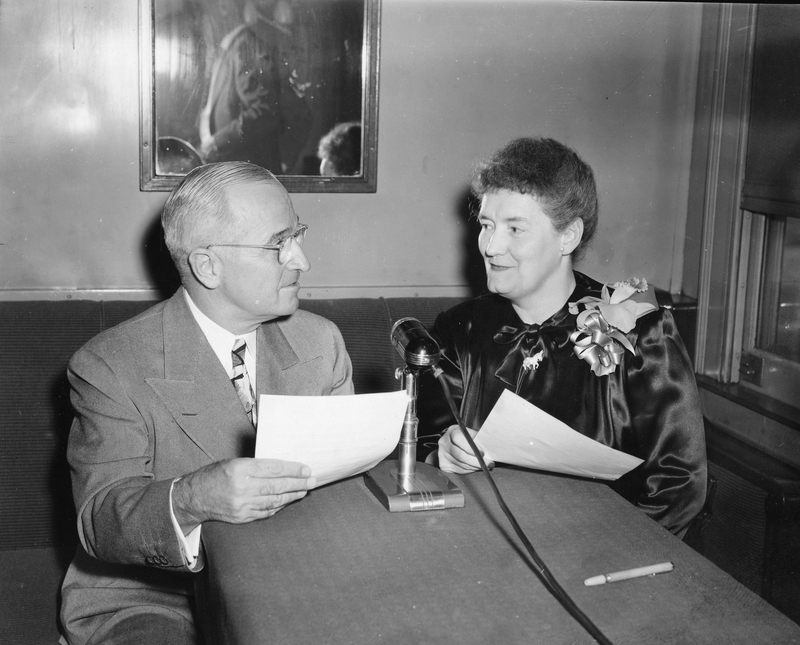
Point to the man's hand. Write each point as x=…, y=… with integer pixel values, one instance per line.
x=455, y=455
x=238, y=491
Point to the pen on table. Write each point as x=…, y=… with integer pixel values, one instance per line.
x=639, y=572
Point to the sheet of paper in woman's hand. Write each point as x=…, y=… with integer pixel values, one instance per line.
x=516, y=432
x=336, y=436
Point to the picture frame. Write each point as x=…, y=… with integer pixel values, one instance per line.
x=260, y=81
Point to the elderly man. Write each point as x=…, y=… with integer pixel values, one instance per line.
x=166, y=407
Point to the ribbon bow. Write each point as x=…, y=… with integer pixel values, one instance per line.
x=523, y=337
x=527, y=341
x=605, y=320
x=595, y=343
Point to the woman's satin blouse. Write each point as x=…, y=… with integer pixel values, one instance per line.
x=648, y=407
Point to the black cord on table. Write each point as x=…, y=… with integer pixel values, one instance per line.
x=541, y=569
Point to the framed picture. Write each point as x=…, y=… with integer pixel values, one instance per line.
x=290, y=85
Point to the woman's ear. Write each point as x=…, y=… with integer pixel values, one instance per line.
x=206, y=267
x=572, y=236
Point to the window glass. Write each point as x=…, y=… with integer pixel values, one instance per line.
x=779, y=319
x=787, y=337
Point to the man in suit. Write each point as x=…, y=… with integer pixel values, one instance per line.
x=256, y=108
x=161, y=435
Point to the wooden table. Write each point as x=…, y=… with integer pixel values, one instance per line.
x=337, y=567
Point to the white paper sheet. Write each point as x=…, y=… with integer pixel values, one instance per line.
x=516, y=432
x=336, y=436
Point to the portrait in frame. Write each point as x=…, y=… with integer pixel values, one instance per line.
x=261, y=81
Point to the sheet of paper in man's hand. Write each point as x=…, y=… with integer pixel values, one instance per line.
x=336, y=436
x=516, y=432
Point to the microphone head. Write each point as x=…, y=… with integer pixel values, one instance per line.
x=414, y=344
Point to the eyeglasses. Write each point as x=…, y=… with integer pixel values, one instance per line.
x=282, y=247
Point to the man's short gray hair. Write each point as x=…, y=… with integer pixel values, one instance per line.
x=197, y=211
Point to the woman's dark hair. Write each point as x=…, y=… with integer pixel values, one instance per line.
x=555, y=175
x=342, y=147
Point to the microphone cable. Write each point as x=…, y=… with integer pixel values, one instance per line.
x=541, y=569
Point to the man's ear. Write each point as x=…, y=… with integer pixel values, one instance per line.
x=206, y=267
x=571, y=236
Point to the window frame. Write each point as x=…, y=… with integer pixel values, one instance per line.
x=730, y=259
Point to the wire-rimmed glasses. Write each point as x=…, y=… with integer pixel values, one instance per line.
x=282, y=247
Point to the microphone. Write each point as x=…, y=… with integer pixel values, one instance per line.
x=414, y=344
x=406, y=484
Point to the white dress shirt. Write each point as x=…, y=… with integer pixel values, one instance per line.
x=222, y=342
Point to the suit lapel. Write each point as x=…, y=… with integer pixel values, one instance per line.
x=275, y=356
x=196, y=389
x=280, y=369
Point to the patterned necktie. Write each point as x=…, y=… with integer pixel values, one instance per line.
x=241, y=380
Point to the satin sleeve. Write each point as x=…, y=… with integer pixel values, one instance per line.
x=663, y=405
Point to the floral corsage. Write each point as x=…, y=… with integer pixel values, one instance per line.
x=603, y=322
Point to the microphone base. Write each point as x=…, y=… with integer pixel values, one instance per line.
x=427, y=489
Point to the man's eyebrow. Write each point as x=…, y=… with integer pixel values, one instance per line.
x=280, y=235
x=284, y=233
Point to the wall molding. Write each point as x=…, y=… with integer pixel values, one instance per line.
x=306, y=293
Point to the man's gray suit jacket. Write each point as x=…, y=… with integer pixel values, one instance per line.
x=152, y=403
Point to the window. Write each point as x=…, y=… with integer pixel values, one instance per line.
x=746, y=194
x=770, y=359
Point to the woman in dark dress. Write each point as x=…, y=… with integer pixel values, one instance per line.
x=600, y=359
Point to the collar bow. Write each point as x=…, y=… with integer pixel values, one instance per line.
x=525, y=341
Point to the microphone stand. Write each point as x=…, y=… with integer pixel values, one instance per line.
x=406, y=484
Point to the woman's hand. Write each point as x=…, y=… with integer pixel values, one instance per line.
x=455, y=455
